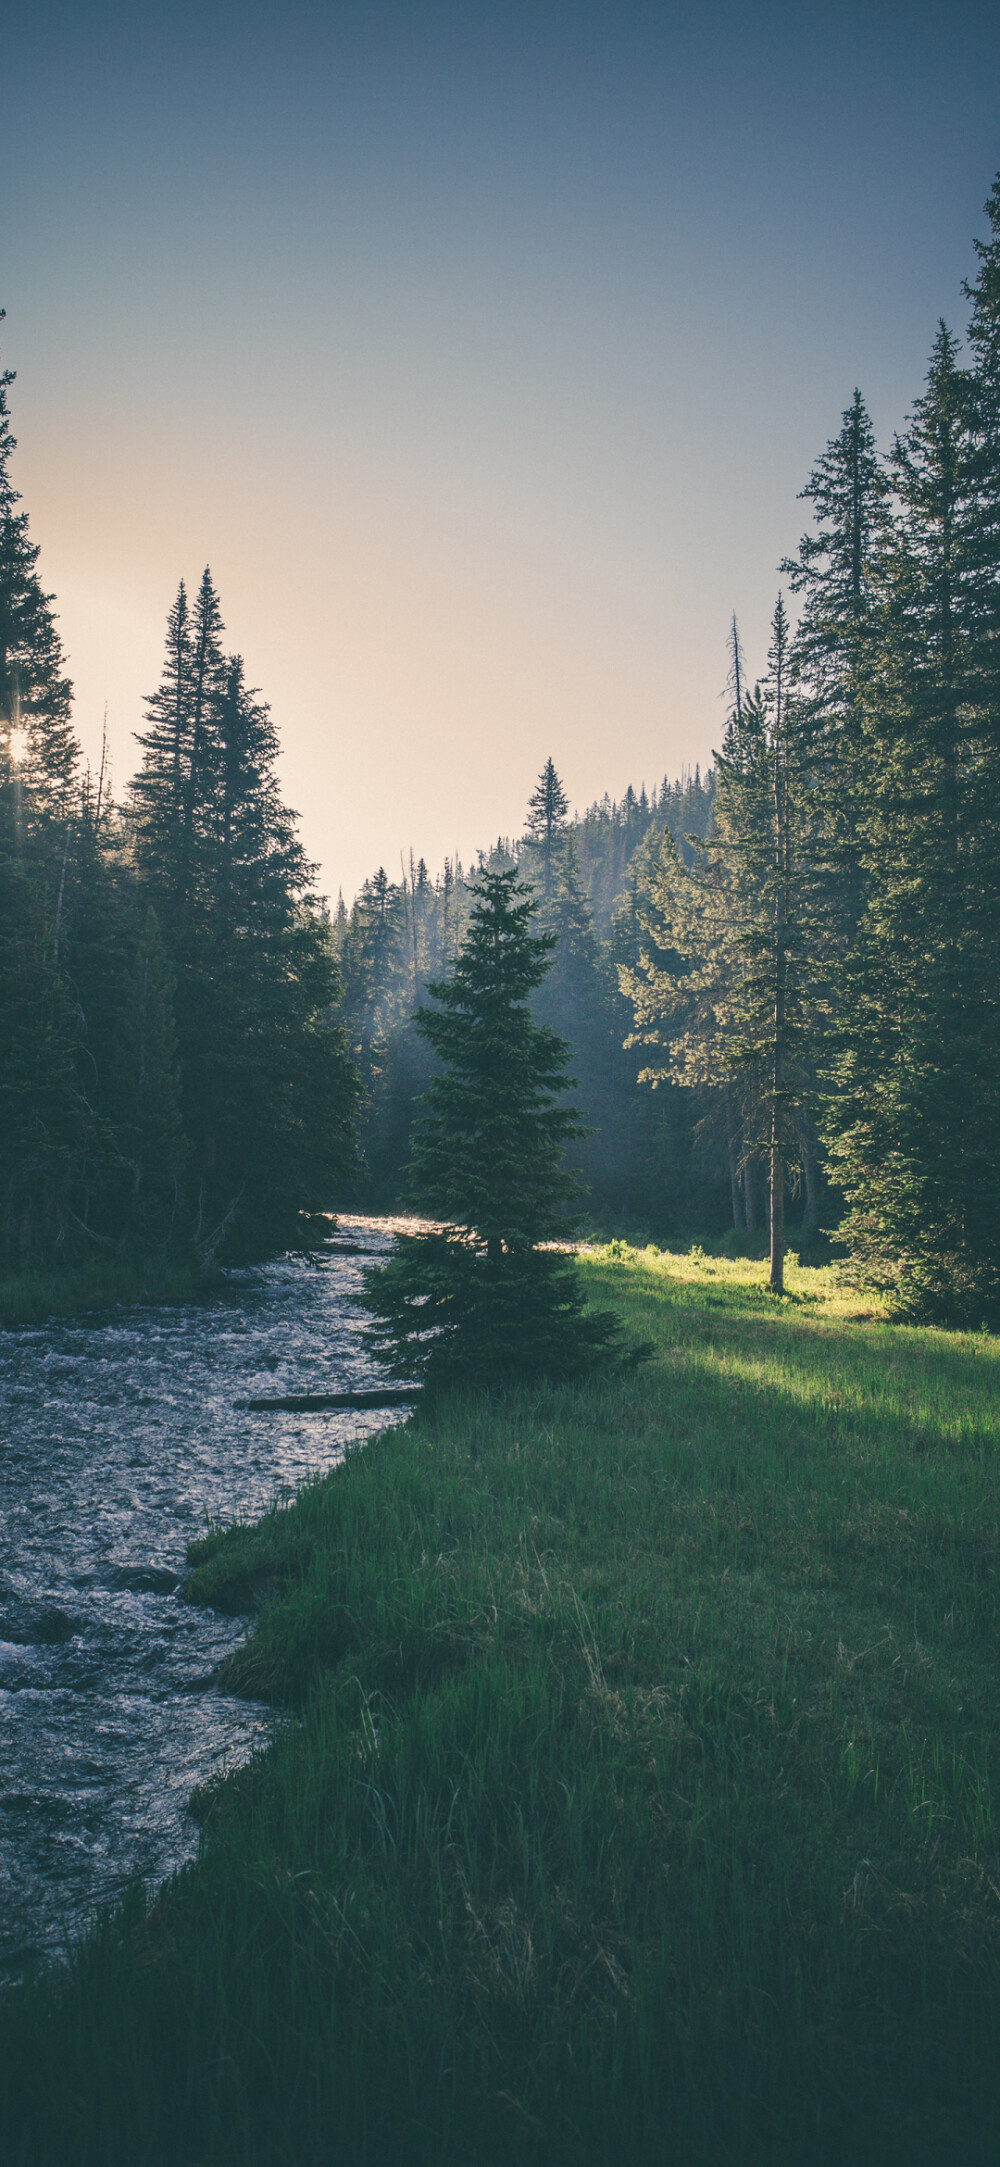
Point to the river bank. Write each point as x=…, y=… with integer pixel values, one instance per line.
x=640, y=1804
x=102, y=1283
x=125, y=1430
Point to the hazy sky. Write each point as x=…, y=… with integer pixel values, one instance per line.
x=481, y=351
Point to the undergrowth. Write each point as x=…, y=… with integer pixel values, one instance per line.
x=28, y=1297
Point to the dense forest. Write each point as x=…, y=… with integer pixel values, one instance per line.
x=644, y=1159
x=174, y=1074
x=799, y=956
x=779, y=982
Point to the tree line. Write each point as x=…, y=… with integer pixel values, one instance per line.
x=827, y=970
x=778, y=983
x=801, y=953
x=174, y=1072
x=644, y=1158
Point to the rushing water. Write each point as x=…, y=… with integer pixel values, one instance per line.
x=120, y=1436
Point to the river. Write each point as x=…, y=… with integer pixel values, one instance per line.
x=121, y=1436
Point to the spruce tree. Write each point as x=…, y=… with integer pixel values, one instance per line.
x=838, y=574
x=35, y=695
x=548, y=806
x=915, y=1108
x=731, y=966
x=267, y=1087
x=45, y=1120
x=158, y=790
x=481, y=1301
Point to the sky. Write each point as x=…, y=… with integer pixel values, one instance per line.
x=481, y=350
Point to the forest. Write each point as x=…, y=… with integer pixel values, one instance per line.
x=778, y=980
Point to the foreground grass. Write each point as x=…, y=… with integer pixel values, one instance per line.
x=28, y=1297
x=640, y=1807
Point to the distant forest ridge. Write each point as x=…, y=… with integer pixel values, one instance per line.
x=640, y=1160
x=607, y=836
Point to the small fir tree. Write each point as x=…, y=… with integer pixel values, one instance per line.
x=480, y=1301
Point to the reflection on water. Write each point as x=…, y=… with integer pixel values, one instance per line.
x=118, y=1437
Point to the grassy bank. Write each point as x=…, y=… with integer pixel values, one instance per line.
x=28, y=1297
x=640, y=1807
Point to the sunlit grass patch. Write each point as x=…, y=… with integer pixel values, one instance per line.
x=641, y=1802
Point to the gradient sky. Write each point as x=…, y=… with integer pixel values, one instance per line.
x=480, y=350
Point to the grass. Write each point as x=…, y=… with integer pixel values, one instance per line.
x=27, y=1298
x=639, y=1802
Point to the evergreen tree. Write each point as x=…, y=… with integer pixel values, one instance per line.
x=267, y=1087
x=548, y=806
x=481, y=1301
x=159, y=789
x=914, y=1112
x=730, y=975
x=35, y=696
x=45, y=1121
x=838, y=573
x=142, y=1100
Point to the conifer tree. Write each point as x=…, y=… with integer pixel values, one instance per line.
x=839, y=575
x=267, y=1086
x=548, y=806
x=158, y=790
x=914, y=1112
x=729, y=980
x=35, y=695
x=482, y=1302
x=44, y=1119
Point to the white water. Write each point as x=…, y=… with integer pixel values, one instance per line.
x=119, y=1437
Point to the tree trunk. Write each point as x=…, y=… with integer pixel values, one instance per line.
x=734, y=1169
x=776, y=1281
x=810, y=1177
x=777, y=1278
x=751, y=1193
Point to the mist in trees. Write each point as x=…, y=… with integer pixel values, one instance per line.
x=636, y=1155
x=777, y=982
x=478, y=1299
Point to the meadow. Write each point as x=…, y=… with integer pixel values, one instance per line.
x=631, y=1793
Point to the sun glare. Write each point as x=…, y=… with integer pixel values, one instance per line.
x=17, y=744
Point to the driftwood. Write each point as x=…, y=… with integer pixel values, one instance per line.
x=315, y=1403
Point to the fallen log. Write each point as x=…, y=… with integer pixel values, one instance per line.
x=316, y=1403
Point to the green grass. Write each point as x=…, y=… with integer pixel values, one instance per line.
x=639, y=1802
x=28, y=1297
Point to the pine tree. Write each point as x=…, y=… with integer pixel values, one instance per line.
x=159, y=789
x=481, y=1301
x=730, y=973
x=915, y=1111
x=267, y=1087
x=548, y=806
x=839, y=575
x=35, y=696
x=45, y=1122
x=143, y=1096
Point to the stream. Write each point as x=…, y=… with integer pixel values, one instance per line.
x=119, y=1438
